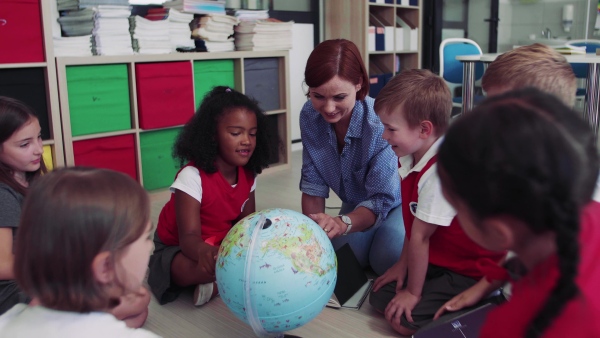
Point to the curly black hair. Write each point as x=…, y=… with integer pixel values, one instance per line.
x=527, y=155
x=197, y=141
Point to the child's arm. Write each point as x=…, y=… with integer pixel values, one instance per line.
x=7, y=258
x=418, y=259
x=469, y=297
x=187, y=213
x=396, y=273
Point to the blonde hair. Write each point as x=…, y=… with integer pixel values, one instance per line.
x=422, y=95
x=536, y=66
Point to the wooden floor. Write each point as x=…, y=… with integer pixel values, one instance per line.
x=181, y=319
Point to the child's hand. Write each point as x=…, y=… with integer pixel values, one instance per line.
x=469, y=297
x=207, y=259
x=403, y=303
x=395, y=273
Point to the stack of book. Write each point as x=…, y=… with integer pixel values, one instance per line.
x=77, y=22
x=216, y=30
x=73, y=46
x=111, y=30
x=251, y=15
x=67, y=5
x=269, y=34
x=180, y=34
x=197, y=6
x=149, y=37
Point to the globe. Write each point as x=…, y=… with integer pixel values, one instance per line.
x=276, y=270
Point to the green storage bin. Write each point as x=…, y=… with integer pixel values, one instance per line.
x=211, y=73
x=98, y=98
x=158, y=166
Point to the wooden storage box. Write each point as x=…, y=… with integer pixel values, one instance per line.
x=116, y=153
x=158, y=166
x=98, y=98
x=211, y=73
x=21, y=35
x=165, y=94
x=47, y=157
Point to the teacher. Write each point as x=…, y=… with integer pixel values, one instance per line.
x=343, y=151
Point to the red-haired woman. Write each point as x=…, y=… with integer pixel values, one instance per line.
x=343, y=151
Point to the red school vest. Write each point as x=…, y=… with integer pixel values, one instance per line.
x=221, y=205
x=449, y=246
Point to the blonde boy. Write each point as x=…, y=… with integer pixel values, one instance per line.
x=537, y=66
x=438, y=260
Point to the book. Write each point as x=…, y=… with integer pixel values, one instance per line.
x=353, y=285
x=570, y=50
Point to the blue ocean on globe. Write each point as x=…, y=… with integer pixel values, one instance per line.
x=276, y=269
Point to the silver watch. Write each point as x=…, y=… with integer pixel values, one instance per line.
x=348, y=222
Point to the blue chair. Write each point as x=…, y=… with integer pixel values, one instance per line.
x=452, y=70
x=581, y=69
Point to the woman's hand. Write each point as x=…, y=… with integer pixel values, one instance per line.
x=333, y=226
x=207, y=259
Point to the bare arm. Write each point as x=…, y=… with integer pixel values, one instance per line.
x=418, y=255
x=312, y=204
x=187, y=213
x=7, y=258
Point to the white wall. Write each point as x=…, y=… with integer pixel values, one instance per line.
x=302, y=46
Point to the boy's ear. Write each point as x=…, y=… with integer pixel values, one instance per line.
x=103, y=268
x=426, y=129
x=500, y=230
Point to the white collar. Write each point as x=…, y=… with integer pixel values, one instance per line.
x=406, y=162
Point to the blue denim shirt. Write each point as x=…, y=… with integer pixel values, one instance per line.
x=364, y=174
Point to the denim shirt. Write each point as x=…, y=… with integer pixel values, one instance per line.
x=364, y=174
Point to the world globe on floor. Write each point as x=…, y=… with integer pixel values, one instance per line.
x=276, y=270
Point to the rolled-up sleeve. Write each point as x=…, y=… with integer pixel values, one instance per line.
x=311, y=183
x=382, y=184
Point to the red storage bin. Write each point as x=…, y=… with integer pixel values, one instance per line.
x=21, y=35
x=165, y=94
x=116, y=153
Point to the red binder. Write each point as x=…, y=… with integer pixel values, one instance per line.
x=165, y=94
x=21, y=35
x=116, y=153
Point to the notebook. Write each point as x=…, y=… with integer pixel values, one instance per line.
x=353, y=285
x=466, y=325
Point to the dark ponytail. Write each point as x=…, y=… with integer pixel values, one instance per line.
x=527, y=155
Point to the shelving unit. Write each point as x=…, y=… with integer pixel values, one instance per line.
x=123, y=112
x=352, y=22
x=27, y=69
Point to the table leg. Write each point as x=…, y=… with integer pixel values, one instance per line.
x=468, y=85
x=590, y=111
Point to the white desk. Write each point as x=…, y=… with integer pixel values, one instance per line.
x=592, y=100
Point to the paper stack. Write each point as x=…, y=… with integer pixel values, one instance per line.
x=269, y=34
x=66, y=5
x=73, y=46
x=77, y=22
x=111, y=30
x=217, y=32
x=251, y=15
x=180, y=33
x=197, y=6
x=149, y=37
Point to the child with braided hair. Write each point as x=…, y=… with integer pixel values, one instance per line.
x=520, y=171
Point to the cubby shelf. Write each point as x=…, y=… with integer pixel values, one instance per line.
x=25, y=72
x=352, y=23
x=244, y=66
